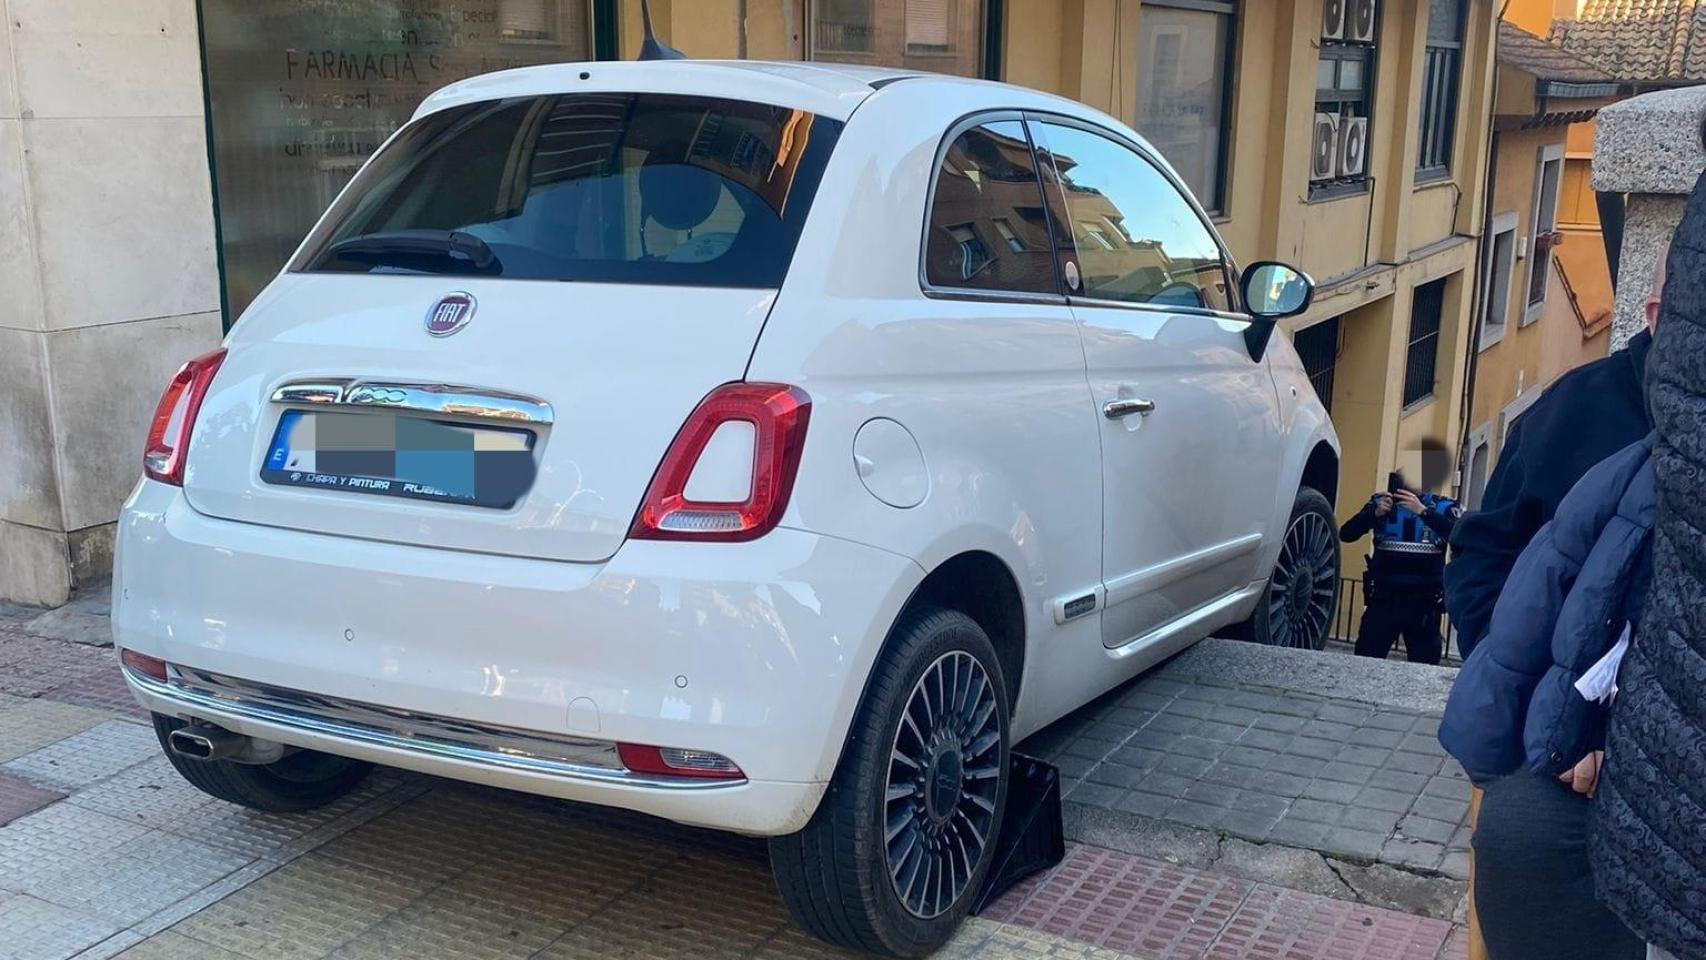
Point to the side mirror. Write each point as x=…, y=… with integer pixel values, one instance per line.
x=1272, y=291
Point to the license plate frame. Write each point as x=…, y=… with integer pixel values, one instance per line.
x=388, y=454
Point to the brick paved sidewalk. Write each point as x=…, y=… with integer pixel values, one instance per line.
x=105, y=851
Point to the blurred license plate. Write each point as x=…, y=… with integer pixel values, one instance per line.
x=394, y=456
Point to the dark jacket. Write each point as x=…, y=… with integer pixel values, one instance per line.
x=1409, y=548
x=1649, y=841
x=1566, y=603
x=1589, y=414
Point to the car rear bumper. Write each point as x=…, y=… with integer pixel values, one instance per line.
x=513, y=672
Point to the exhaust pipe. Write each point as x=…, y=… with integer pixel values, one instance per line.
x=204, y=741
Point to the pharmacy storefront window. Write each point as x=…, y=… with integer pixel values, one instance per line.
x=943, y=36
x=1184, y=84
x=301, y=92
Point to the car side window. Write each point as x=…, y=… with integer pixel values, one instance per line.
x=1135, y=238
x=988, y=229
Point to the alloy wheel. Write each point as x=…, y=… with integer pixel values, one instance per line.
x=1304, y=585
x=943, y=784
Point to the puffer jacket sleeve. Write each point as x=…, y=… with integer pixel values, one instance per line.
x=1487, y=712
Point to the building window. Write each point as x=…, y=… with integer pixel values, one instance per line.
x=1344, y=97
x=1185, y=89
x=1439, y=89
x=300, y=94
x=1420, y=362
x=1500, y=269
x=1479, y=464
x=1547, y=178
x=1318, y=347
x=943, y=36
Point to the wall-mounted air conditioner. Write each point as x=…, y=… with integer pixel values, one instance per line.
x=1353, y=146
x=1359, y=16
x=1332, y=19
x=1324, y=153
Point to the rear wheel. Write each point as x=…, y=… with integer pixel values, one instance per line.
x=900, y=844
x=1302, y=595
x=303, y=780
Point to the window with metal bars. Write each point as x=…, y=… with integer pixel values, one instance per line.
x=1439, y=89
x=1420, y=362
x=1318, y=347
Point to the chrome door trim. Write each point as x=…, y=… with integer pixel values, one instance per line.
x=1120, y=409
x=1132, y=585
x=435, y=398
x=1172, y=629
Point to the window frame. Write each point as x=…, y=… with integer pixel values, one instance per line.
x=1485, y=337
x=1235, y=24
x=1444, y=136
x=1235, y=306
x=1329, y=49
x=1532, y=308
x=990, y=33
x=1437, y=335
x=1479, y=438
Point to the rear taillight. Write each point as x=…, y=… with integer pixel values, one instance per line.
x=174, y=418
x=777, y=414
x=673, y=762
x=140, y=663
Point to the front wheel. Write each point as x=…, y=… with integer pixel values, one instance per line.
x=1302, y=595
x=899, y=846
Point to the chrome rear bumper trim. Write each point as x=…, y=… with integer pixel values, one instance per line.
x=451, y=739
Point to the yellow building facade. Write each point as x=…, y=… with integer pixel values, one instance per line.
x=1235, y=94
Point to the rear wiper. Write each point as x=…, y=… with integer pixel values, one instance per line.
x=430, y=251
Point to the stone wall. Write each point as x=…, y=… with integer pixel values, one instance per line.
x=1648, y=147
x=108, y=278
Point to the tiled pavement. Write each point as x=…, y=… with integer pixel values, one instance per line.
x=1349, y=779
x=105, y=852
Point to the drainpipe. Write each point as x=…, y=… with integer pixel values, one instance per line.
x=1466, y=403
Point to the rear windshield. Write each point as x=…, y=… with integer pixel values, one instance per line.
x=622, y=188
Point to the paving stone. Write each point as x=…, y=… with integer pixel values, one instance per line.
x=1131, y=718
x=31, y=666
x=1278, y=924
x=1456, y=865
x=1195, y=814
x=1413, y=853
x=1426, y=726
x=1174, y=723
x=1113, y=774
x=1249, y=756
x=1279, y=783
x=1422, y=743
x=58, y=835
x=84, y=758
x=1414, y=763
x=175, y=946
x=1260, y=701
x=1353, y=714
x=1249, y=824
x=999, y=943
x=1392, y=720
x=1328, y=730
x=1414, y=827
x=1200, y=748
x=1266, y=739
x=1362, y=844
x=1347, y=772
x=1201, y=709
x=1231, y=775
x=1087, y=747
x=1099, y=794
x=1252, y=802
x=1279, y=723
x=1150, y=738
x=1447, y=788
x=1137, y=757
x=1181, y=765
x=103, y=690
x=20, y=797
x=1313, y=747
x=1411, y=783
x=1439, y=808
x=1316, y=811
x=1306, y=767
x=133, y=880
x=1391, y=801
x=1375, y=821
x=1299, y=833
x=1218, y=731
x=1149, y=805
x=1165, y=784
x=1075, y=767
x=1367, y=756
x=1233, y=715
x=1376, y=737
x=29, y=725
x=1331, y=791
x=1213, y=794
x=37, y=930
x=1147, y=700
x=1129, y=903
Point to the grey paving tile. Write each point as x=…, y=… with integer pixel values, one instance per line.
x=1149, y=805
x=1398, y=780
x=1426, y=726
x=1347, y=772
x=1279, y=723
x=1173, y=723
x=1391, y=801
x=1313, y=747
x=1090, y=748
x=1165, y=784
x=1413, y=827
x=175, y=946
x=20, y=797
x=1194, y=814
x=37, y=930
x=1361, y=844
x=131, y=881
x=1331, y=791
x=1328, y=730
x=150, y=793
x=1440, y=808
x=1413, y=853
x=1307, y=767
x=1234, y=715
x=1140, y=699
x=1279, y=783
x=1212, y=794
x=1374, y=821
x=1231, y=775
x=1249, y=756
x=1200, y=709
x=1131, y=718
x=1422, y=743
x=1376, y=737
x=55, y=836
x=1109, y=773
x=1353, y=714
x=1075, y=767
x=1138, y=757
x=1095, y=794
x=1249, y=824
x=1294, y=832
x=1218, y=731
x=1455, y=865
x=29, y=725
x=1315, y=811
x=1393, y=720
x=87, y=757
x=1267, y=805
x=1181, y=765
x=1200, y=748
x=1266, y=739
x=1367, y=756
x=1448, y=788
x=1414, y=763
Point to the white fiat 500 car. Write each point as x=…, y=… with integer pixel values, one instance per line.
x=766, y=447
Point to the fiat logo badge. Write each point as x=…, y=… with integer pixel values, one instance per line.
x=450, y=314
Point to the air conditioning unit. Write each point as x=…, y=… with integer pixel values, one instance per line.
x=1359, y=20
x=1324, y=157
x=1332, y=19
x=1353, y=146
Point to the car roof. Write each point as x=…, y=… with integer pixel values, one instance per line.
x=831, y=90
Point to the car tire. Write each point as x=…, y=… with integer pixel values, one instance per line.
x=1301, y=599
x=853, y=876
x=303, y=780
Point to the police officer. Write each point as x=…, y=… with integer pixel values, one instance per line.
x=1403, y=589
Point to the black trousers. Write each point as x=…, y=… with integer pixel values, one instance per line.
x=1390, y=615
x=1533, y=889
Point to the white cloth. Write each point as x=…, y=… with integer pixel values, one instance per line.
x=1600, y=680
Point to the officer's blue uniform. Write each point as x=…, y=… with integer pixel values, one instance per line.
x=1403, y=588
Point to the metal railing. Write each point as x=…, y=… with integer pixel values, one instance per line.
x=1349, y=616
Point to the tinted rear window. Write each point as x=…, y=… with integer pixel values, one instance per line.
x=624, y=188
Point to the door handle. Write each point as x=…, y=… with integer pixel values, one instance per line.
x=1120, y=409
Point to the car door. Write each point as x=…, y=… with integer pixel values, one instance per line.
x=1189, y=422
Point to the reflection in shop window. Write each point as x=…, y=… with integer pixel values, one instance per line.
x=301, y=92
x=944, y=36
x=1183, y=90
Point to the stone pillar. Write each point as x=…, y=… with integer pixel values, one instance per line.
x=1649, y=148
x=108, y=278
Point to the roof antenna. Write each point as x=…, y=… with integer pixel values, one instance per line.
x=651, y=49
